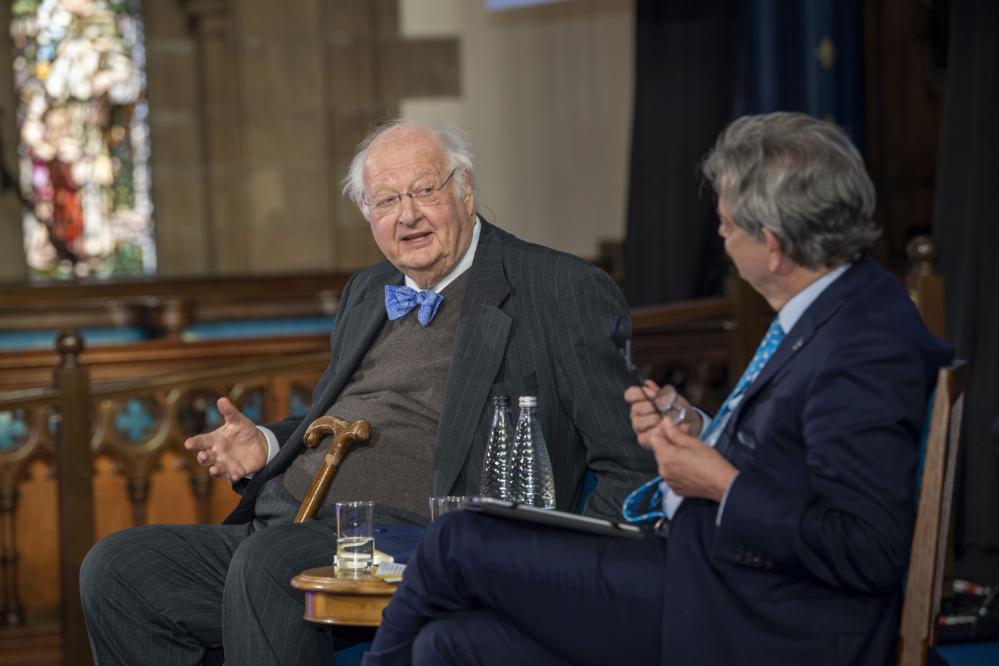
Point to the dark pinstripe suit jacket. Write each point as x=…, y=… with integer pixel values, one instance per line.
x=534, y=322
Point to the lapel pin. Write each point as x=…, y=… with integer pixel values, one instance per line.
x=797, y=344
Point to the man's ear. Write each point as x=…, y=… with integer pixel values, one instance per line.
x=469, y=199
x=776, y=258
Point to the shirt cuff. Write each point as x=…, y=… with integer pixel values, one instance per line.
x=721, y=505
x=705, y=420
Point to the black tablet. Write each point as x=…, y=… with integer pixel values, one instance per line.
x=562, y=519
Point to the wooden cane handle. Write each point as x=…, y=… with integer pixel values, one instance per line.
x=324, y=425
x=344, y=435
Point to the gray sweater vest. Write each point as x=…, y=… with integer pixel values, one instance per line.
x=399, y=389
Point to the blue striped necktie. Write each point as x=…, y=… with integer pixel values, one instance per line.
x=769, y=344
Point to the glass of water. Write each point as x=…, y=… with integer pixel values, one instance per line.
x=355, y=540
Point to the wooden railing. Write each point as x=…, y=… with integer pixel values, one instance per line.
x=164, y=308
x=925, y=283
x=75, y=422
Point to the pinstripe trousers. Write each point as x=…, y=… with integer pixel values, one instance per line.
x=175, y=594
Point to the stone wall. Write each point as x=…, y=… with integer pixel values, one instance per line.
x=256, y=107
x=12, y=264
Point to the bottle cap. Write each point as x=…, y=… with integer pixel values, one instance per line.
x=501, y=399
x=528, y=401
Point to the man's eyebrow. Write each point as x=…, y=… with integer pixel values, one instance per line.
x=425, y=174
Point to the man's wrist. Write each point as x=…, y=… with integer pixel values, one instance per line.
x=270, y=444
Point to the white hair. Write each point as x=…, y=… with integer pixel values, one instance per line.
x=453, y=141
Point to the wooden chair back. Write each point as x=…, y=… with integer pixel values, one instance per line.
x=928, y=558
x=925, y=284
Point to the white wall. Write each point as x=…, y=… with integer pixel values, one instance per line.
x=547, y=102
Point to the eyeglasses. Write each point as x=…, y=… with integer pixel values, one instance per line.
x=425, y=195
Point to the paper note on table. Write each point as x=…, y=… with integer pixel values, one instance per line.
x=390, y=572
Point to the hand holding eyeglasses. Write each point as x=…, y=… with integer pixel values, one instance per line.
x=650, y=404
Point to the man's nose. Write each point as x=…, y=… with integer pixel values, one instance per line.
x=409, y=212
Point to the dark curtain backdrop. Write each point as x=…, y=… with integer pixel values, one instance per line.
x=966, y=226
x=686, y=70
x=805, y=55
x=696, y=64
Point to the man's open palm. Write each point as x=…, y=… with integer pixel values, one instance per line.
x=233, y=450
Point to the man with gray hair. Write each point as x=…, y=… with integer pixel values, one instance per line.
x=783, y=524
x=493, y=315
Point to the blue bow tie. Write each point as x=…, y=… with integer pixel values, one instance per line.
x=400, y=299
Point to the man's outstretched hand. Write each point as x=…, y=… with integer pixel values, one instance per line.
x=233, y=450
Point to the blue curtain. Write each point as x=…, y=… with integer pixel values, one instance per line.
x=804, y=55
x=697, y=65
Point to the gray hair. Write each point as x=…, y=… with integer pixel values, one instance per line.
x=799, y=177
x=453, y=141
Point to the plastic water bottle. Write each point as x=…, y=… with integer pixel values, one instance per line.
x=495, y=480
x=532, y=480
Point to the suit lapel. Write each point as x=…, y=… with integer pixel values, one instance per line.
x=479, y=349
x=828, y=302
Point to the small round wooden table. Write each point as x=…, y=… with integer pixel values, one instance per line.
x=356, y=602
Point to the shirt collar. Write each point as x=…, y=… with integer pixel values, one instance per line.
x=463, y=265
x=794, y=308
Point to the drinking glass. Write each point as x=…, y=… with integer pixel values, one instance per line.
x=355, y=542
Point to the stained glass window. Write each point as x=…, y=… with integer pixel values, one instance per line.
x=79, y=68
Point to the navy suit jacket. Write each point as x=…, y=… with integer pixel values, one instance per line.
x=807, y=563
x=533, y=322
